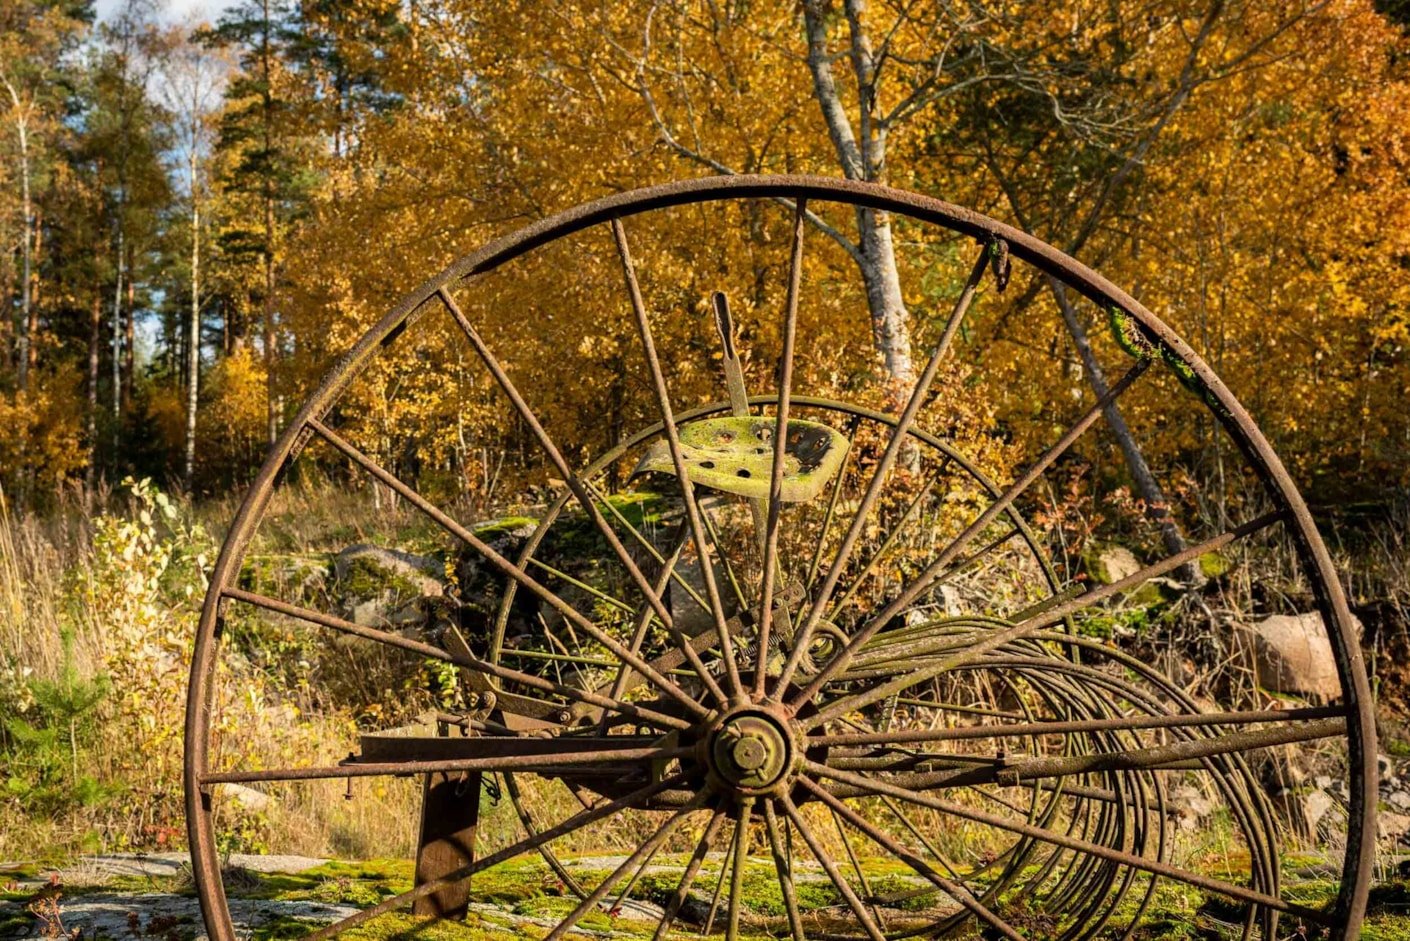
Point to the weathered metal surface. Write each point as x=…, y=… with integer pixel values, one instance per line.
x=736, y=455
x=806, y=689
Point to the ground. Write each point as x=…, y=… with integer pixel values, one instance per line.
x=282, y=897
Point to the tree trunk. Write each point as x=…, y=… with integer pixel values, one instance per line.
x=117, y=330
x=1147, y=487
x=27, y=240
x=866, y=160
x=129, y=335
x=271, y=403
x=193, y=338
x=95, y=347
x=890, y=324
x=268, y=101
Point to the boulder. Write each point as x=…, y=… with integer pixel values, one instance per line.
x=246, y=797
x=1293, y=655
x=380, y=587
x=390, y=568
x=1394, y=828
x=1315, y=805
x=1114, y=563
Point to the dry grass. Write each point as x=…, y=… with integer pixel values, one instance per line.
x=56, y=583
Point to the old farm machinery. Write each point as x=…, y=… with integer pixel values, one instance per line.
x=820, y=677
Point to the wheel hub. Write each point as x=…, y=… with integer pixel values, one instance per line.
x=751, y=751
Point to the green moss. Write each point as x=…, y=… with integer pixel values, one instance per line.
x=355, y=883
x=505, y=525
x=1398, y=747
x=1214, y=565
x=364, y=579
x=15, y=924
x=1128, y=333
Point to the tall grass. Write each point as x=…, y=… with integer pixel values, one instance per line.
x=103, y=607
x=100, y=597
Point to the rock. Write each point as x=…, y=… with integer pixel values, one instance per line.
x=1293, y=655
x=1314, y=807
x=389, y=566
x=1393, y=827
x=112, y=915
x=1191, y=805
x=247, y=797
x=1400, y=800
x=1114, y=563
x=386, y=587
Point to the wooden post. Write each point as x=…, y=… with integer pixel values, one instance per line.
x=450, y=811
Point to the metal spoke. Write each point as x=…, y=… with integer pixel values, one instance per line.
x=867, y=894
x=641, y=713
x=830, y=868
x=741, y=859
x=692, y=508
x=692, y=870
x=720, y=883
x=891, y=538
x=981, y=643
x=893, y=449
x=783, y=868
x=645, y=543
x=924, y=581
x=958, y=892
x=545, y=764
x=569, y=477
x=642, y=852
x=1075, y=844
x=723, y=558
x=619, y=682
x=831, y=510
x=921, y=838
x=508, y=568
x=785, y=389
x=1011, y=771
x=1122, y=724
x=573, y=823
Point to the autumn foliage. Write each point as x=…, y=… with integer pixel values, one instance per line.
x=1241, y=168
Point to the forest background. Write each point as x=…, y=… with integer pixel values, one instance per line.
x=197, y=219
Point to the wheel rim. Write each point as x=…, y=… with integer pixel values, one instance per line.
x=779, y=812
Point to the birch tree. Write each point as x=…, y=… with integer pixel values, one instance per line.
x=191, y=88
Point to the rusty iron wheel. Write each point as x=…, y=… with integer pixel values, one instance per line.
x=776, y=663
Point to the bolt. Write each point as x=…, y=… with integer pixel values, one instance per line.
x=750, y=753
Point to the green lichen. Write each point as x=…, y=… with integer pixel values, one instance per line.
x=1128, y=334
x=1132, y=337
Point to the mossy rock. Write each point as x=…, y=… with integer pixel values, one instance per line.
x=1110, y=563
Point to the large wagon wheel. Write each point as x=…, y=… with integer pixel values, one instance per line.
x=780, y=661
